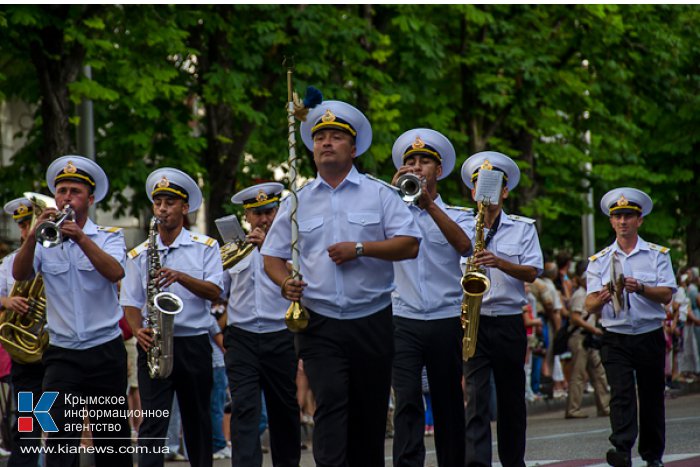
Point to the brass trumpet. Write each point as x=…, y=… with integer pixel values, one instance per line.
x=48, y=233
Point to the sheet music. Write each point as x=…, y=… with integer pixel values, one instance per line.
x=230, y=229
x=488, y=187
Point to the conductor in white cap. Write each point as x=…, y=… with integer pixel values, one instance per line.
x=351, y=229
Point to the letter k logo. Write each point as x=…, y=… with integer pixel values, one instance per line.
x=25, y=403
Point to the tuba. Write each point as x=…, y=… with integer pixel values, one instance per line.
x=475, y=284
x=24, y=336
x=161, y=310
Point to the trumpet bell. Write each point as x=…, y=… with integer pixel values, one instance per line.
x=409, y=186
x=475, y=284
x=48, y=234
x=296, y=318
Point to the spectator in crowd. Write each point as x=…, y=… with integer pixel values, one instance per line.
x=584, y=344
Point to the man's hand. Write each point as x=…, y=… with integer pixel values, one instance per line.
x=167, y=277
x=293, y=289
x=404, y=169
x=603, y=297
x=632, y=285
x=17, y=304
x=70, y=229
x=144, y=336
x=487, y=259
x=256, y=237
x=342, y=252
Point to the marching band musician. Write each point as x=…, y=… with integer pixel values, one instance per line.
x=351, y=229
x=86, y=356
x=24, y=376
x=426, y=306
x=191, y=269
x=511, y=256
x=633, y=348
x=259, y=348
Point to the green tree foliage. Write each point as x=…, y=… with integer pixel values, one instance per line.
x=203, y=88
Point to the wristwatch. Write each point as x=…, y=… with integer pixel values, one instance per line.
x=359, y=249
x=640, y=290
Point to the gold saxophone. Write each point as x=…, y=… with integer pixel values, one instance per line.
x=161, y=310
x=24, y=336
x=475, y=284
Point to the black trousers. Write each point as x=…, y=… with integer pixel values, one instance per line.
x=266, y=362
x=25, y=378
x=192, y=379
x=348, y=363
x=500, y=348
x=628, y=359
x=437, y=346
x=96, y=372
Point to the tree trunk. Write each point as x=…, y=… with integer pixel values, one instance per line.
x=57, y=65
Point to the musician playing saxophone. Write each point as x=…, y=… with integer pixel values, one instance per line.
x=24, y=376
x=191, y=269
x=511, y=256
x=86, y=355
x=259, y=347
x=426, y=307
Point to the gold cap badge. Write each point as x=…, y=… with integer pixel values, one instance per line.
x=622, y=201
x=328, y=116
x=164, y=182
x=261, y=196
x=69, y=168
x=486, y=165
x=22, y=209
x=418, y=143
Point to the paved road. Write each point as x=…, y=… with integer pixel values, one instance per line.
x=554, y=441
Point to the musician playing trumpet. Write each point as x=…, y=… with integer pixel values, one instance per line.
x=86, y=355
x=259, y=348
x=191, y=270
x=511, y=256
x=426, y=306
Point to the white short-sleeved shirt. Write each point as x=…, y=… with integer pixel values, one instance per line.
x=82, y=307
x=515, y=241
x=357, y=210
x=255, y=303
x=191, y=253
x=428, y=286
x=650, y=265
x=7, y=281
